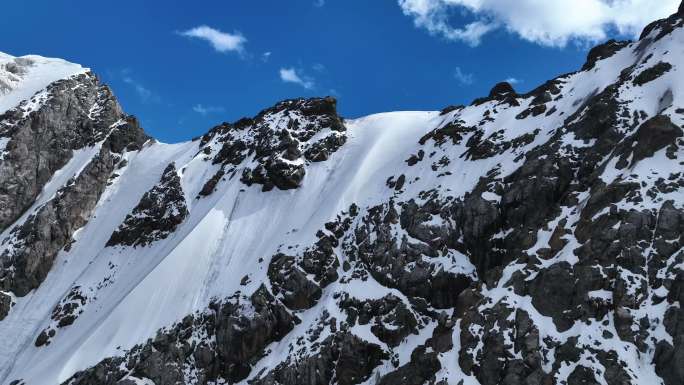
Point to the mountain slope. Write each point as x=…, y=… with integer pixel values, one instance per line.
x=523, y=239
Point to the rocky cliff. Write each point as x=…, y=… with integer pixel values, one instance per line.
x=524, y=239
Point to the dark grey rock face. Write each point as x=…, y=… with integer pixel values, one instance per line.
x=652, y=73
x=5, y=305
x=342, y=359
x=670, y=356
x=502, y=92
x=291, y=283
x=391, y=319
x=298, y=280
x=157, y=214
x=219, y=344
x=42, y=141
x=79, y=112
x=38, y=240
x=653, y=135
x=420, y=370
x=279, y=139
x=63, y=315
x=661, y=28
x=398, y=262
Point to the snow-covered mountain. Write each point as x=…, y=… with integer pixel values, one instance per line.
x=524, y=239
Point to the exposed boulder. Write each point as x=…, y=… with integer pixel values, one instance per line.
x=158, y=214
x=5, y=305
x=291, y=283
x=652, y=73
x=501, y=89
x=501, y=92
x=420, y=370
x=342, y=358
x=653, y=135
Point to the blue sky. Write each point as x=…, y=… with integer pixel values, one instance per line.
x=373, y=55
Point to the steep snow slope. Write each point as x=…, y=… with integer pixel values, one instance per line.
x=523, y=239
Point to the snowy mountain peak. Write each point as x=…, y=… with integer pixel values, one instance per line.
x=21, y=77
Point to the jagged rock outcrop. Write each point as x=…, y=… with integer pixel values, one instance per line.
x=34, y=244
x=5, y=305
x=280, y=140
x=75, y=113
x=391, y=318
x=63, y=315
x=343, y=359
x=157, y=214
x=214, y=346
x=69, y=115
x=298, y=280
x=420, y=370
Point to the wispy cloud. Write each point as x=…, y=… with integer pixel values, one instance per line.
x=318, y=67
x=206, y=110
x=545, y=22
x=462, y=77
x=145, y=94
x=290, y=75
x=221, y=41
x=512, y=80
x=319, y=3
x=433, y=15
x=265, y=56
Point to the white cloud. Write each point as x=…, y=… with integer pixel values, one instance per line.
x=463, y=77
x=265, y=56
x=318, y=67
x=142, y=91
x=290, y=75
x=546, y=22
x=513, y=80
x=145, y=94
x=221, y=41
x=206, y=110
